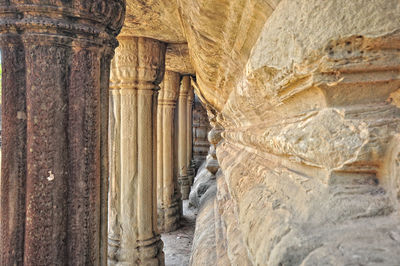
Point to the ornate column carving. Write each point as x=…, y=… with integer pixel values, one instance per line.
x=190, y=163
x=168, y=191
x=56, y=58
x=182, y=137
x=134, y=238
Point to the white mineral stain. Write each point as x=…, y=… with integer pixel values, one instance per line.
x=51, y=176
x=21, y=115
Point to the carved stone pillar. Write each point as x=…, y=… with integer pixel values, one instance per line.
x=167, y=188
x=114, y=199
x=182, y=137
x=134, y=238
x=190, y=163
x=56, y=58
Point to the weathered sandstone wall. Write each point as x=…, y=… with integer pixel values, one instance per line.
x=310, y=149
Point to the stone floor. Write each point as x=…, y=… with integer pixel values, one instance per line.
x=178, y=244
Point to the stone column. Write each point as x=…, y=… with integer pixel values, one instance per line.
x=56, y=60
x=155, y=172
x=134, y=238
x=190, y=163
x=160, y=161
x=114, y=199
x=168, y=191
x=182, y=137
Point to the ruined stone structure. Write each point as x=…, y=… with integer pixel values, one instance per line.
x=201, y=127
x=302, y=97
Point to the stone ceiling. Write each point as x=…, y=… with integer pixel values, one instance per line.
x=156, y=19
x=177, y=58
x=209, y=38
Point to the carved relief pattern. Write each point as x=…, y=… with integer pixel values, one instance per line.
x=168, y=94
x=63, y=56
x=96, y=21
x=138, y=64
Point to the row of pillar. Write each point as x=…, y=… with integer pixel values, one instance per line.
x=146, y=189
x=57, y=107
x=184, y=137
x=55, y=57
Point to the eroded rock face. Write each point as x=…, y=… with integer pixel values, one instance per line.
x=309, y=134
x=204, y=245
x=203, y=181
x=310, y=143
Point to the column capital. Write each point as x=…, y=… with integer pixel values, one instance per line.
x=169, y=89
x=138, y=64
x=185, y=86
x=68, y=22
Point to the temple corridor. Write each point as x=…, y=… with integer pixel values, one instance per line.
x=178, y=243
x=200, y=132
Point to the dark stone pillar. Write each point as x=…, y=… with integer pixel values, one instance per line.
x=56, y=58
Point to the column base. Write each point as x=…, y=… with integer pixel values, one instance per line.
x=168, y=220
x=114, y=247
x=185, y=186
x=148, y=252
x=151, y=252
